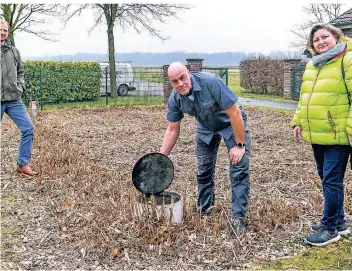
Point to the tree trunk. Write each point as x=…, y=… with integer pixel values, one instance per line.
x=11, y=38
x=111, y=46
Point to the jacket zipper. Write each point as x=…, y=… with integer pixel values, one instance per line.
x=310, y=133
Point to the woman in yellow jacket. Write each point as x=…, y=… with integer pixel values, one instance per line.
x=324, y=119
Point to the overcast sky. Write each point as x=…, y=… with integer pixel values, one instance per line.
x=210, y=26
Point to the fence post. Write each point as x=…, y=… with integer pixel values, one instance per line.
x=106, y=85
x=34, y=108
x=289, y=65
x=41, y=87
x=167, y=84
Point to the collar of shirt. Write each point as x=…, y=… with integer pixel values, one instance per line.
x=195, y=85
x=189, y=92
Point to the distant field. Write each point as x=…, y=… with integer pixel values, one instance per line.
x=149, y=74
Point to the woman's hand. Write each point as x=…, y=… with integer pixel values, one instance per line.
x=297, y=133
x=350, y=138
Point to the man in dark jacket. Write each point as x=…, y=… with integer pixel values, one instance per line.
x=12, y=86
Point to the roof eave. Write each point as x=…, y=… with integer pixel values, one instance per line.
x=343, y=25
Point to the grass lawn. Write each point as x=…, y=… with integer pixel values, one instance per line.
x=336, y=256
x=120, y=101
x=149, y=74
x=234, y=85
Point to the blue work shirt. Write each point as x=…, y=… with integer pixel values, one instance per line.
x=209, y=99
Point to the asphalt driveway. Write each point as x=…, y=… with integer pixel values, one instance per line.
x=279, y=105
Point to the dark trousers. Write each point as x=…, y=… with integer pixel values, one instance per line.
x=239, y=176
x=331, y=162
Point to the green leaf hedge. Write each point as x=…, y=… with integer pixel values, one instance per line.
x=61, y=81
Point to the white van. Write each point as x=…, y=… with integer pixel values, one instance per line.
x=124, y=78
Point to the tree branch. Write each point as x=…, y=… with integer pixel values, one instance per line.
x=319, y=13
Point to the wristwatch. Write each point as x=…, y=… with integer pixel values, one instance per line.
x=240, y=145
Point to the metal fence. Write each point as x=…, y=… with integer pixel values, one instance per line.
x=50, y=87
x=134, y=81
x=136, y=85
x=296, y=81
x=223, y=73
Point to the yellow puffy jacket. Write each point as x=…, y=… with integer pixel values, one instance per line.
x=324, y=110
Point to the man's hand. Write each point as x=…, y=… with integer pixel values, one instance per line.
x=297, y=133
x=236, y=154
x=350, y=138
x=170, y=137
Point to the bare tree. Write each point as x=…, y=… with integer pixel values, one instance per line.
x=138, y=17
x=27, y=18
x=319, y=13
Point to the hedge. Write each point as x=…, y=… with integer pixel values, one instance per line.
x=61, y=81
x=262, y=75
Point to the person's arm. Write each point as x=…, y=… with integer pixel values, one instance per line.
x=227, y=101
x=170, y=137
x=296, y=120
x=234, y=113
x=20, y=70
x=348, y=82
x=296, y=123
x=237, y=124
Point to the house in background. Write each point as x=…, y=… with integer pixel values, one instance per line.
x=344, y=22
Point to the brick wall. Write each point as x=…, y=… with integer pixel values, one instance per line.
x=167, y=84
x=289, y=65
x=195, y=64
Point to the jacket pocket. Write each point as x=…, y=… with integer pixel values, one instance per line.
x=18, y=87
x=210, y=107
x=188, y=108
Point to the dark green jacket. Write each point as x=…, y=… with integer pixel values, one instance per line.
x=12, y=74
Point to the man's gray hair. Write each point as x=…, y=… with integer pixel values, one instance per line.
x=3, y=20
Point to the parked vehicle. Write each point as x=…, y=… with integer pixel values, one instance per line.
x=124, y=78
